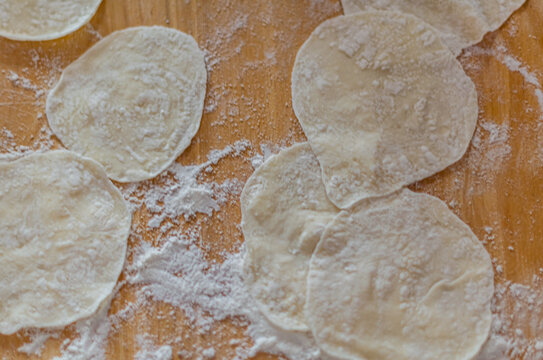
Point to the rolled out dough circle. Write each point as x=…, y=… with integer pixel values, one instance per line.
x=284, y=211
x=460, y=23
x=37, y=20
x=382, y=102
x=133, y=102
x=63, y=240
x=400, y=277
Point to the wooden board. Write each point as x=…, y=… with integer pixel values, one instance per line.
x=251, y=44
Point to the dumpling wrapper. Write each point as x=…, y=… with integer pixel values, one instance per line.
x=400, y=277
x=460, y=23
x=383, y=103
x=284, y=211
x=64, y=228
x=133, y=102
x=37, y=20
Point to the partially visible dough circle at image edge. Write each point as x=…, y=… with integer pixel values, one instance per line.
x=63, y=240
x=383, y=103
x=35, y=20
x=133, y=102
x=400, y=277
x=461, y=23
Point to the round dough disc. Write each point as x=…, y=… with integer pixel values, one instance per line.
x=63, y=240
x=133, y=102
x=44, y=20
x=460, y=23
x=382, y=102
x=400, y=277
x=284, y=211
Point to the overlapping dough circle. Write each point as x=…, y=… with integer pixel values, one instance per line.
x=400, y=277
x=133, y=102
x=382, y=102
x=461, y=23
x=44, y=20
x=63, y=240
x=284, y=211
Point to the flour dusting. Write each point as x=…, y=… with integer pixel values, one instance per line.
x=521, y=333
x=168, y=262
x=181, y=194
x=36, y=344
x=513, y=64
x=149, y=351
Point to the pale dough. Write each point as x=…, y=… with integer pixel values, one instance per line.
x=400, y=278
x=284, y=211
x=382, y=102
x=460, y=23
x=64, y=228
x=44, y=19
x=133, y=102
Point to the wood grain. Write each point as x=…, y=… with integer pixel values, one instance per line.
x=496, y=188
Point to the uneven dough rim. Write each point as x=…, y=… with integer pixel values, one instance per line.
x=55, y=35
x=398, y=187
x=470, y=356
x=63, y=322
x=191, y=131
x=276, y=320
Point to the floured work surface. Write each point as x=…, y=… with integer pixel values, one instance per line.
x=496, y=188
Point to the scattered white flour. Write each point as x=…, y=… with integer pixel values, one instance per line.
x=92, y=334
x=513, y=64
x=10, y=149
x=36, y=344
x=491, y=141
x=208, y=353
x=175, y=269
x=266, y=150
x=181, y=194
x=91, y=30
x=149, y=351
x=520, y=334
x=25, y=83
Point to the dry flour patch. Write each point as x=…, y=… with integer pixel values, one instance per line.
x=150, y=351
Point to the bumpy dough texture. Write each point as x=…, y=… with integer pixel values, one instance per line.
x=133, y=102
x=63, y=237
x=382, y=102
x=44, y=19
x=284, y=211
x=460, y=23
x=400, y=278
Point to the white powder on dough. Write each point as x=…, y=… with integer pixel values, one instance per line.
x=198, y=292
x=175, y=271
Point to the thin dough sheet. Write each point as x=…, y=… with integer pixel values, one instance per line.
x=383, y=103
x=63, y=239
x=400, y=278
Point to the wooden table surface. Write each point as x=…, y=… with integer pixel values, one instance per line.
x=251, y=45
